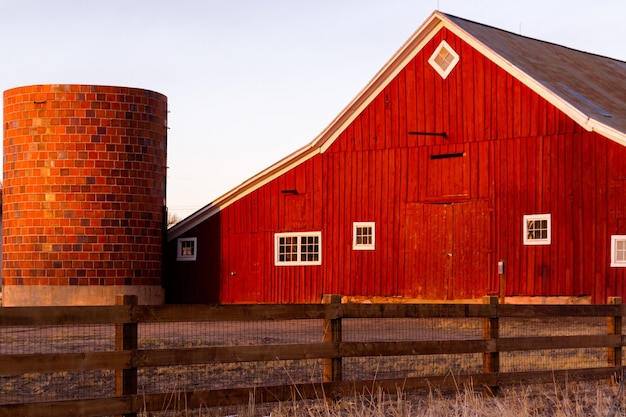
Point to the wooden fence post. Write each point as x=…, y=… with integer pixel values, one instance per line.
x=491, y=330
x=614, y=326
x=126, y=339
x=332, y=333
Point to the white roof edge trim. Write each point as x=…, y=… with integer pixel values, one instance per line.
x=608, y=132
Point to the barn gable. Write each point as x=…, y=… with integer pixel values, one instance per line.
x=583, y=85
x=456, y=143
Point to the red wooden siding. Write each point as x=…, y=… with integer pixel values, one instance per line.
x=442, y=223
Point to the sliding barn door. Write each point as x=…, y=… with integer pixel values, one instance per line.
x=448, y=250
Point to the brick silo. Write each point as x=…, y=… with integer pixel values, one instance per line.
x=83, y=194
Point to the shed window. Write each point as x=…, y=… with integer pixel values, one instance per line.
x=363, y=236
x=187, y=249
x=618, y=251
x=444, y=59
x=537, y=229
x=298, y=248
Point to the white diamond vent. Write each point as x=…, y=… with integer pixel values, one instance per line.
x=444, y=59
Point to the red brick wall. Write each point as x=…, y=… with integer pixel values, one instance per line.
x=84, y=185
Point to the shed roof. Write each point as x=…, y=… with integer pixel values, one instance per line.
x=589, y=88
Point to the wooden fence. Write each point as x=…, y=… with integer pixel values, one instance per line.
x=126, y=358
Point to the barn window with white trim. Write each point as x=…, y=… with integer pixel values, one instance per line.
x=187, y=248
x=537, y=229
x=298, y=248
x=363, y=236
x=618, y=251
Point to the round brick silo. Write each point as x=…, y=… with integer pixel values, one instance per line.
x=83, y=194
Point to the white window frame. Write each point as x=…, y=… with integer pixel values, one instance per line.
x=615, y=262
x=433, y=59
x=179, y=249
x=363, y=246
x=538, y=217
x=298, y=253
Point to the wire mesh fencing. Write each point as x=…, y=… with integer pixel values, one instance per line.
x=229, y=334
x=552, y=359
x=50, y=340
x=410, y=330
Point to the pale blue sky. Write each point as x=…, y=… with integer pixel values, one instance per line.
x=250, y=81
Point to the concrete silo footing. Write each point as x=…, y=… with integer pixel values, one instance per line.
x=54, y=295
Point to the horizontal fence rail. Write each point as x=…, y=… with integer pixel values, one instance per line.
x=129, y=358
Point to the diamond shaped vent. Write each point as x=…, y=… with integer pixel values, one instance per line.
x=444, y=59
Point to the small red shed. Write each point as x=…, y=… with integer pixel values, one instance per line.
x=476, y=162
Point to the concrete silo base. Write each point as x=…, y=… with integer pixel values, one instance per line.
x=53, y=295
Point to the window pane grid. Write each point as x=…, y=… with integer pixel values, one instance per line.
x=288, y=249
x=620, y=251
x=537, y=229
x=309, y=249
x=444, y=59
x=363, y=235
x=187, y=248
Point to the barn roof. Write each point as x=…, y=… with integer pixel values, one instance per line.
x=589, y=88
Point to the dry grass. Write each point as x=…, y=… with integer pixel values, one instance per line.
x=562, y=400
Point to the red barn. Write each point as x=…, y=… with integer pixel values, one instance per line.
x=476, y=162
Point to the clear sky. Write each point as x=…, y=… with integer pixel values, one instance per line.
x=250, y=81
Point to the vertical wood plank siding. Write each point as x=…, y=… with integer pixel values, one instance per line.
x=518, y=155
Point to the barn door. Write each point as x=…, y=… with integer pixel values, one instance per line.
x=242, y=275
x=448, y=250
x=472, y=250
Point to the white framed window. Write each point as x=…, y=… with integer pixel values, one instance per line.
x=298, y=248
x=537, y=229
x=618, y=251
x=444, y=59
x=187, y=249
x=363, y=236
